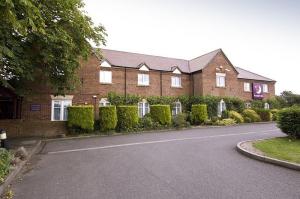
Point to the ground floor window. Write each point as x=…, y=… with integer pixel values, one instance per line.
x=248, y=104
x=104, y=102
x=143, y=108
x=176, y=108
x=267, y=106
x=221, y=107
x=60, y=109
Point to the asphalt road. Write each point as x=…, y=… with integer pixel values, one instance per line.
x=192, y=164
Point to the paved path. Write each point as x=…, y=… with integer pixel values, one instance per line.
x=192, y=164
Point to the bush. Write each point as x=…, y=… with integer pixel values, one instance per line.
x=225, y=114
x=225, y=122
x=128, y=118
x=161, y=114
x=5, y=159
x=247, y=120
x=107, y=118
x=289, y=121
x=179, y=120
x=251, y=116
x=264, y=114
x=274, y=114
x=199, y=113
x=236, y=116
x=146, y=122
x=81, y=118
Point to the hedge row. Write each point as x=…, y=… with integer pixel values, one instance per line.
x=81, y=118
x=161, y=114
x=128, y=118
x=289, y=121
x=107, y=118
x=199, y=114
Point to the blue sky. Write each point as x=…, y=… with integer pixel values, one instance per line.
x=261, y=36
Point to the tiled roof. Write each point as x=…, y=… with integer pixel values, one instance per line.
x=134, y=60
x=245, y=74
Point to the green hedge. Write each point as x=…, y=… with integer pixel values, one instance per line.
x=128, y=118
x=199, y=114
x=5, y=159
x=251, y=116
x=274, y=114
x=264, y=114
x=81, y=117
x=225, y=122
x=289, y=121
x=236, y=116
x=107, y=118
x=161, y=113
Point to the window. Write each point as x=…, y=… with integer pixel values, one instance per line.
x=247, y=86
x=176, y=108
x=220, y=79
x=104, y=102
x=59, y=110
x=267, y=106
x=265, y=88
x=105, y=77
x=143, y=79
x=143, y=108
x=175, y=81
x=248, y=105
x=221, y=107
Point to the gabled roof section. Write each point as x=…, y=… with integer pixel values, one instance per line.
x=133, y=60
x=143, y=67
x=201, y=62
x=105, y=63
x=245, y=74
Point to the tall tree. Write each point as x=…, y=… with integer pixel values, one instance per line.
x=45, y=38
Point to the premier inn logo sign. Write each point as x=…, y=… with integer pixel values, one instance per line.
x=257, y=91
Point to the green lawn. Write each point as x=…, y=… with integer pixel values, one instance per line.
x=283, y=148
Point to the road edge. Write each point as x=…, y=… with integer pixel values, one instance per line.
x=266, y=159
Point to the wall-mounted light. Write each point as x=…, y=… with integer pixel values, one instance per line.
x=221, y=66
x=94, y=96
x=227, y=70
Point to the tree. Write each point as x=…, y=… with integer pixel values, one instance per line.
x=44, y=40
x=290, y=98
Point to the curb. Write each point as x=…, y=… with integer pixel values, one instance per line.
x=266, y=159
x=18, y=168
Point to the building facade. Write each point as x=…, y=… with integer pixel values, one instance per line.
x=43, y=114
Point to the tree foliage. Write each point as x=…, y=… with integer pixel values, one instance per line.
x=45, y=38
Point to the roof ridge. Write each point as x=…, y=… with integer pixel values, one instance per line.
x=219, y=49
x=254, y=73
x=145, y=54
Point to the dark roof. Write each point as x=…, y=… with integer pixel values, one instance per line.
x=134, y=60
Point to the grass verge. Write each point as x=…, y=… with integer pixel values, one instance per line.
x=283, y=148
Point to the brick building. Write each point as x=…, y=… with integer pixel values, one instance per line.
x=42, y=114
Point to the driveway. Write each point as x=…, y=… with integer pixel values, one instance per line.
x=193, y=164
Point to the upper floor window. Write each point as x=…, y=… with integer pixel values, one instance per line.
x=265, y=88
x=247, y=87
x=143, y=79
x=176, y=108
x=220, y=79
x=176, y=81
x=143, y=108
x=105, y=76
x=59, y=110
x=104, y=102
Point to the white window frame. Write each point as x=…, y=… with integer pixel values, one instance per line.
x=248, y=104
x=177, y=108
x=176, y=81
x=105, y=77
x=247, y=87
x=221, y=107
x=104, y=102
x=221, y=80
x=266, y=106
x=143, y=79
x=265, y=88
x=62, y=103
x=145, y=106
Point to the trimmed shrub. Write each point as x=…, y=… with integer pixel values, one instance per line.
x=179, y=120
x=289, y=121
x=225, y=114
x=161, y=114
x=236, y=116
x=146, y=122
x=264, y=114
x=251, y=116
x=81, y=118
x=225, y=122
x=128, y=118
x=274, y=114
x=199, y=113
x=5, y=159
x=107, y=118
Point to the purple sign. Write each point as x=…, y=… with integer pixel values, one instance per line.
x=257, y=91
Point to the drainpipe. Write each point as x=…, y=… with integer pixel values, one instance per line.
x=193, y=86
x=125, y=86
x=161, y=92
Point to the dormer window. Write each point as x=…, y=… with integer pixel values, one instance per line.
x=177, y=71
x=105, y=64
x=144, y=68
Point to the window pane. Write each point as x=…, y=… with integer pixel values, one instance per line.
x=105, y=76
x=56, y=114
